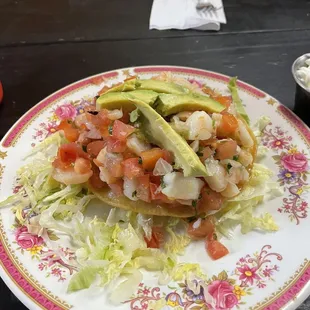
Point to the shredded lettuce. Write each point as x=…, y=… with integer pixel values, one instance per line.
x=240, y=209
x=233, y=88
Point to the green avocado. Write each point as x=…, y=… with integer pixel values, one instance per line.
x=159, y=132
x=154, y=85
x=162, y=87
x=116, y=100
x=232, y=86
x=172, y=104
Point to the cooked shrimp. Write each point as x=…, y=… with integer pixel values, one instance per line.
x=231, y=190
x=70, y=176
x=199, y=125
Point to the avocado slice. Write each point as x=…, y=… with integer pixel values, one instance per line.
x=116, y=100
x=232, y=86
x=159, y=132
x=171, y=104
x=162, y=87
x=154, y=85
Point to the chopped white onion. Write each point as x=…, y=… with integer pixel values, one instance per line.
x=137, y=145
x=162, y=167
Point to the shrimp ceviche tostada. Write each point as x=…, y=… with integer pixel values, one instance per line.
x=166, y=160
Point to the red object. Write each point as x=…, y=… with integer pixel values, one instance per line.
x=205, y=227
x=95, y=180
x=150, y=157
x=121, y=131
x=132, y=168
x=71, y=133
x=94, y=148
x=216, y=249
x=115, y=146
x=227, y=126
x=156, y=239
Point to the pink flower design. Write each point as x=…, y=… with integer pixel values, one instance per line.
x=279, y=144
x=267, y=272
x=25, y=239
x=261, y=284
x=41, y=266
x=146, y=291
x=66, y=111
x=56, y=272
x=248, y=274
x=222, y=296
x=51, y=128
x=295, y=162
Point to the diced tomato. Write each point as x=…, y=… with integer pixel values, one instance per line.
x=127, y=154
x=224, y=100
x=227, y=126
x=99, y=119
x=210, y=200
x=150, y=158
x=115, y=146
x=200, y=228
x=157, y=238
x=156, y=179
x=71, y=133
x=168, y=156
x=159, y=196
x=143, y=188
x=69, y=152
x=95, y=180
x=206, y=153
x=117, y=187
x=216, y=249
x=104, y=131
x=132, y=168
x=226, y=150
x=121, y=131
x=94, y=148
x=1, y=92
x=103, y=118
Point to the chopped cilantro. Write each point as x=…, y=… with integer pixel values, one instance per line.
x=213, y=123
x=162, y=183
x=134, y=194
x=84, y=147
x=194, y=203
x=229, y=166
x=236, y=157
x=110, y=128
x=200, y=196
x=140, y=161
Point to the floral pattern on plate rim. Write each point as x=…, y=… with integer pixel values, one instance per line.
x=221, y=292
x=293, y=172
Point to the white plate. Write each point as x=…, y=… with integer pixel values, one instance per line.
x=262, y=271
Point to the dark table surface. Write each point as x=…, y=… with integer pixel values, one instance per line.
x=45, y=45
